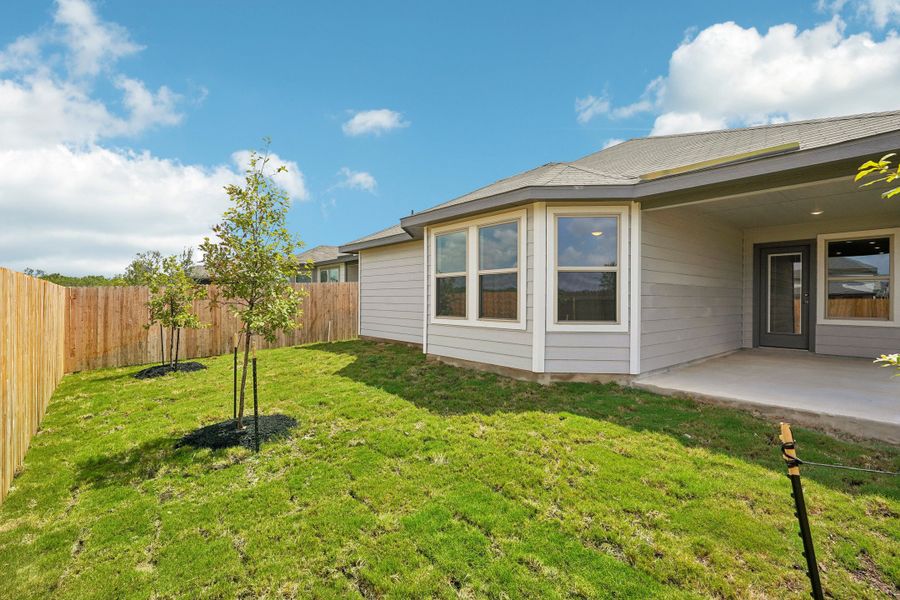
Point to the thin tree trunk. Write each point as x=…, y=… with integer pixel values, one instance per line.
x=171, y=343
x=177, y=344
x=240, y=417
x=162, y=345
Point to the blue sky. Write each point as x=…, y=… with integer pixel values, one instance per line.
x=480, y=91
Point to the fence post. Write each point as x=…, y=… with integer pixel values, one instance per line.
x=789, y=453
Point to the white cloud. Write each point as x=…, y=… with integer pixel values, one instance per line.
x=728, y=76
x=93, y=44
x=880, y=13
x=612, y=142
x=68, y=203
x=374, y=122
x=589, y=107
x=357, y=180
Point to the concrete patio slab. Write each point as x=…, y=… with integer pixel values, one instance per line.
x=851, y=395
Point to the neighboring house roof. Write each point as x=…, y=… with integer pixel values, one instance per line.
x=198, y=273
x=655, y=165
x=325, y=255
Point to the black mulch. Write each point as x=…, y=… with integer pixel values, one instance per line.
x=224, y=434
x=160, y=370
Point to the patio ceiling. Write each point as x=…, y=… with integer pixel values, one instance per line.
x=836, y=199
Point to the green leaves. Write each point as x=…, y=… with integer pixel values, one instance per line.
x=253, y=258
x=880, y=167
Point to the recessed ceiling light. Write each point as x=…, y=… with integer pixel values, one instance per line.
x=596, y=233
x=838, y=253
x=817, y=212
x=872, y=242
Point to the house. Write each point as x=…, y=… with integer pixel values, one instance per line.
x=652, y=253
x=328, y=265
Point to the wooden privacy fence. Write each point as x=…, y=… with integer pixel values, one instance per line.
x=32, y=339
x=47, y=330
x=105, y=326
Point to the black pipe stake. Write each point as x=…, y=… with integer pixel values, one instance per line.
x=255, y=408
x=234, y=394
x=812, y=568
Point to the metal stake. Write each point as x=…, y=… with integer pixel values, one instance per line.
x=234, y=395
x=255, y=408
x=790, y=455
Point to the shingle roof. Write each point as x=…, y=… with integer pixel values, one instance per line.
x=384, y=233
x=323, y=254
x=626, y=162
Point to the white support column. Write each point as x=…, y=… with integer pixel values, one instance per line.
x=425, y=284
x=539, y=288
x=635, y=292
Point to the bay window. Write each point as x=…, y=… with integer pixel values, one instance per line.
x=478, y=272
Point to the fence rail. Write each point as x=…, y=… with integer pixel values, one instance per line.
x=47, y=330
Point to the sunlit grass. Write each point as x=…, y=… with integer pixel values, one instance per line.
x=407, y=478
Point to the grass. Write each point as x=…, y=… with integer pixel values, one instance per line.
x=408, y=478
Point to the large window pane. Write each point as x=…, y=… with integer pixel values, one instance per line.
x=586, y=296
x=451, y=296
x=587, y=241
x=451, y=252
x=859, y=258
x=498, y=296
x=859, y=299
x=498, y=246
x=785, y=293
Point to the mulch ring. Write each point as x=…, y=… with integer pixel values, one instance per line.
x=160, y=370
x=225, y=435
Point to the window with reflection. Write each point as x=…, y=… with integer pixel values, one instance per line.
x=587, y=269
x=450, y=274
x=858, y=276
x=498, y=271
x=331, y=275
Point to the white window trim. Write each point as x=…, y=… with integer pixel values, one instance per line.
x=471, y=227
x=822, y=277
x=622, y=285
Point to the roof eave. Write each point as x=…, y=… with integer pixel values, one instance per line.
x=756, y=167
x=355, y=247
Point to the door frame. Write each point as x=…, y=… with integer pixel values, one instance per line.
x=757, y=286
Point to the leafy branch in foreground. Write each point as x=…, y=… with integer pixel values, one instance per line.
x=881, y=167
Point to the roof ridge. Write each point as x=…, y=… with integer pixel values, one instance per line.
x=476, y=190
x=869, y=115
x=596, y=172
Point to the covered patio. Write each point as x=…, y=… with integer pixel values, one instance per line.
x=850, y=395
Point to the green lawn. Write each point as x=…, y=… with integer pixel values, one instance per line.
x=407, y=478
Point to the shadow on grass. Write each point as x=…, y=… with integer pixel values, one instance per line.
x=447, y=390
x=135, y=465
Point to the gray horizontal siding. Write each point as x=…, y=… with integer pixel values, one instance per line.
x=863, y=341
x=586, y=352
x=691, y=287
x=390, y=292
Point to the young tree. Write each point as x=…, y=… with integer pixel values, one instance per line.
x=172, y=295
x=141, y=271
x=253, y=258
